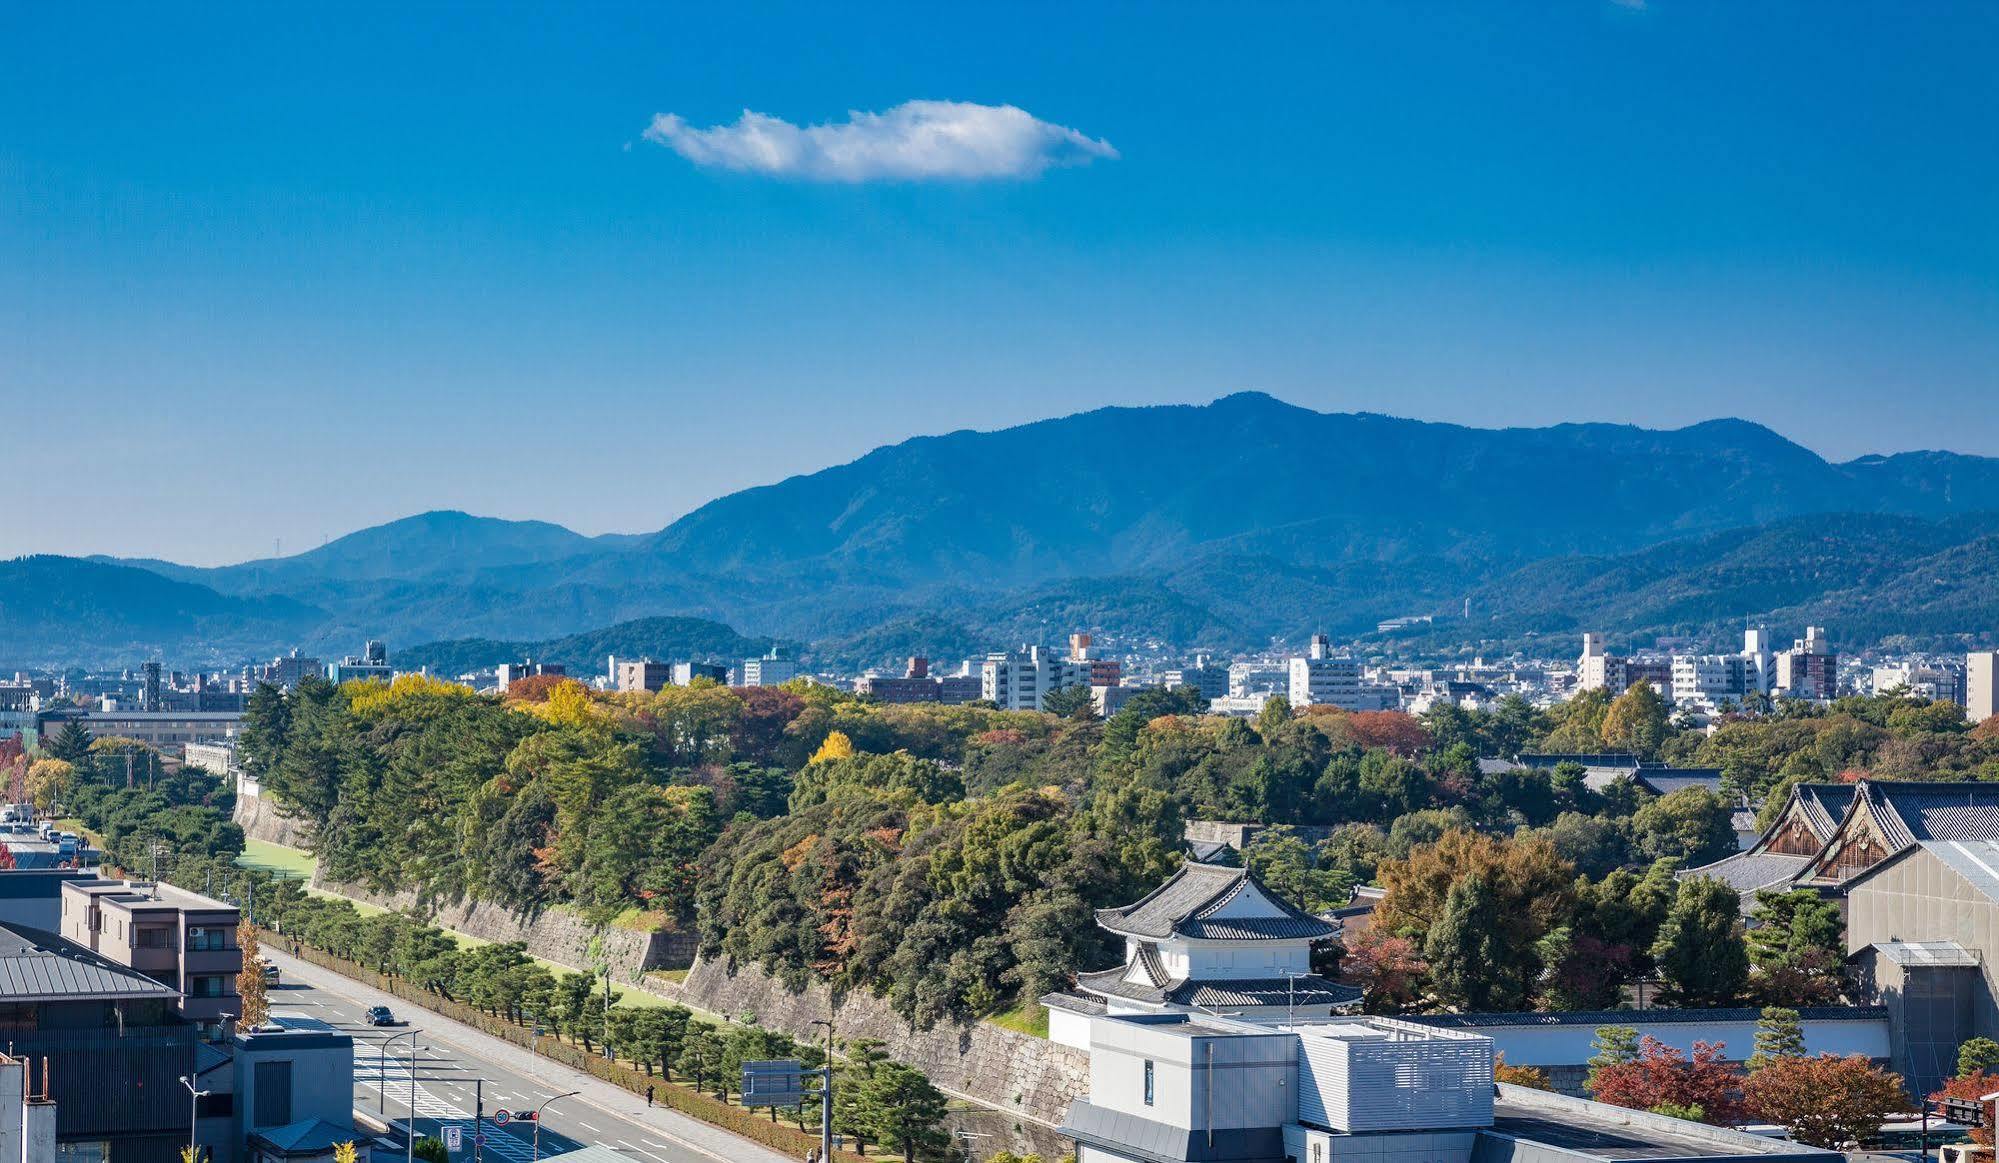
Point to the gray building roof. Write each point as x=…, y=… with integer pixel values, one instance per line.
x=1184, y=905
x=1649, y=1016
x=1913, y=811
x=1823, y=804
x=1745, y=872
x=1131, y=1137
x=36, y=965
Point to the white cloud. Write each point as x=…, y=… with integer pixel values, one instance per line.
x=914, y=141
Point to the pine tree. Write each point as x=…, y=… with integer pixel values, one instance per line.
x=250, y=982
x=1614, y=1046
x=1700, y=949
x=1779, y=1034
x=1977, y=1056
x=1466, y=951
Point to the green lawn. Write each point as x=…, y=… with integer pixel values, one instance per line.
x=278, y=860
x=1029, y=1017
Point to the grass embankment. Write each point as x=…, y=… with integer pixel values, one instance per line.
x=297, y=864
x=1029, y=1017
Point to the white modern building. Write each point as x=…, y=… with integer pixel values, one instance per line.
x=773, y=669
x=1017, y=680
x=1939, y=680
x=1809, y=670
x=1324, y=679
x=1981, y=685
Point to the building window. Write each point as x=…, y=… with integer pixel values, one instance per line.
x=207, y=939
x=151, y=937
x=208, y=986
x=273, y=1094
x=1148, y=1082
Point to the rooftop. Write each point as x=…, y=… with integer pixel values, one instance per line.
x=1596, y=1131
x=1188, y=904
x=36, y=965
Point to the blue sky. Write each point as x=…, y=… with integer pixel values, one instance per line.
x=270, y=277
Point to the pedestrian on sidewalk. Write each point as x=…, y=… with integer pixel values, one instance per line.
x=648, y=1094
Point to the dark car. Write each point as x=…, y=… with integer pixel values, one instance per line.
x=379, y=1016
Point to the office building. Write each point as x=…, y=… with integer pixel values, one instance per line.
x=371, y=665
x=918, y=685
x=773, y=669
x=167, y=731
x=1981, y=685
x=1322, y=678
x=1102, y=671
x=508, y=673
x=1940, y=680
x=1204, y=676
x=288, y=671
x=632, y=676
x=1809, y=670
x=1017, y=680
x=1257, y=680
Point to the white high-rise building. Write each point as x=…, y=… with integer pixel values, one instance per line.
x=1810, y=668
x=1323, y=679
x=1981, y=685
x=773, y=669
x=1017, y=680
x=1598, y=669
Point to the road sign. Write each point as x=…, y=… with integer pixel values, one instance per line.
x=779, y=1082
x=503, y=1116
x=454, y=1139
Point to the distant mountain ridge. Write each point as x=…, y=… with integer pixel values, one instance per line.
x=1223, y=525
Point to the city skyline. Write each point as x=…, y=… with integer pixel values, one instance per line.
x=429, y=245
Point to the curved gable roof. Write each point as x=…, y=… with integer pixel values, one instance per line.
x=1184, y=906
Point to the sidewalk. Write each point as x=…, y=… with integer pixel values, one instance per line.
x=689, y=1132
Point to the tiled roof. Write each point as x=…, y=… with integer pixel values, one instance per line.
x=1823, y=805
x=1745, y=872
x=1075, y=1003
x=1182, y=906
x=1667, y=780
x=1910, y=811
x=1263, y=991
x=39, y=965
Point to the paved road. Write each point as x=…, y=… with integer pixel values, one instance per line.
x=452, y=1057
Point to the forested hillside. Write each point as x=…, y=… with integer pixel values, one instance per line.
x=950, y=857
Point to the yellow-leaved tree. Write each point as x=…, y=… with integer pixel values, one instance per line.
x=250, y=982
x=836, y=746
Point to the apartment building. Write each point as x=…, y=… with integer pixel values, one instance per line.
x=181, y=939
x=773, y=669
x=371, y=665
x=1204, y=676
x=1810, y=668
x=1981, y=685
x=508, y=673
x=918, y=685
x=632, y=676
x=1939, y=680
x=1017, y=680
x=1322, y=678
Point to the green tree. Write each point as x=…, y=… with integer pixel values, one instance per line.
x=1464, y=946
x=1700, y=950
x=71, y=743
x=1637, y=721
x=1977, y=1056
x=1691, y=825
x=1613, y=1046
x=1070, y=702
x=1779, y=1034
x=906, y=1111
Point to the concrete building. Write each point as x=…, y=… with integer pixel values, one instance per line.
x=1102, y=671
x=631, y=676
x=1324, y=679
x=918, y=685
x=173, y=936
x=371, y=665
x=1017, y=680
x=773, y=669
x=287, y=671
x=1167, y=1088
x=294, y=1091
x=508, y=673
x=27, y=1126
x=1254, y=679
x=1981, y=685
x=1204, y=675
x=1809, y=670
x=167, y=731
x=1936, y=680
x=217, y=758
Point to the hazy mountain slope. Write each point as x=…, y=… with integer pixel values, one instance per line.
x=64, y=610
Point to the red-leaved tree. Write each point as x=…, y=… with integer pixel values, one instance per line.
x=1384, y=965
x=1974, y=1087
x=1827, y=1101
x=1663, y=1076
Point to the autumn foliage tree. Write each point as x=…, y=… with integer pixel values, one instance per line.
x=1531, y=888
x=250, y=982
x=1386, y=967
x=1972, y=1087
x=1827, y=1101
x=1661, y=1076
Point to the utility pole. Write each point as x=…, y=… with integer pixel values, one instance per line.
x=478, y=1120
x=607, y=1009
x=409, y=1139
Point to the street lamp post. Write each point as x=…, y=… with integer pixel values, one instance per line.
x=193, y=1116
x=537, y=1119
x=384, y=1069
x=409, y=1139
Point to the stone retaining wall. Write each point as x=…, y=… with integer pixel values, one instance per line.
x=1016, y=1074
x=555, y=934
x=261, y=820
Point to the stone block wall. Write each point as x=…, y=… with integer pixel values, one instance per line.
x=555, y=934
x=261, y=820
x=1016, y=1074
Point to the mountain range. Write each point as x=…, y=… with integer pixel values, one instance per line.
x=1221, y=526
